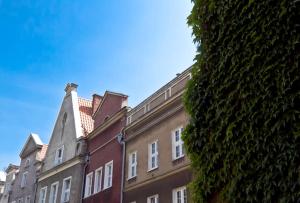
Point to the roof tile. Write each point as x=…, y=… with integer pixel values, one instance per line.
x=43, y=151
x=86, y=111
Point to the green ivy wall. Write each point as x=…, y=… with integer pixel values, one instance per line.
x=244, y=101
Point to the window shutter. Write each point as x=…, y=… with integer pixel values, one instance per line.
x=173, y=145
x=129, y=165
x=156, y=151
x=149, y=156
x=86, y=186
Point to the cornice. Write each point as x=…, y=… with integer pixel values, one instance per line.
x=157, y=178
x=153, y=118
x=59, y=168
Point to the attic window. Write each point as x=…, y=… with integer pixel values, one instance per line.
x=59, y=155
x=64, y=120
x=27, y=163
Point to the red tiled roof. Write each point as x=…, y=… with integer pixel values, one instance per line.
x=86, y=111
x=43, y=151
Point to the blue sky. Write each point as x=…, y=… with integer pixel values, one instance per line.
x=132, y=47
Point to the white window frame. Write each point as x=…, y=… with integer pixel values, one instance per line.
x=177, y=143
x=27, y=199
x=58, y=160
x=182, y=191
x=41, y=191
x=66, y=191
x=156, y=200
x=132, y=165
x=24, y=179
x=152, y=155
x=53, y=197
x=108, y=178
x=98, y=180
x=88, y=185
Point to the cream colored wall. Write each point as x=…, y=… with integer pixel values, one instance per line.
x=68, y=140
x=161, y=132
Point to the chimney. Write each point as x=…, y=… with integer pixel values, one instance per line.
x=71, y=87
x=96, y=102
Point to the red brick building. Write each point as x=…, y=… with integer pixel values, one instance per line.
x=103, y=171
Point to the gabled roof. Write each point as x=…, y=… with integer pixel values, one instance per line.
x=86, y=111
x=11, y=167
x=104, y=97
x=37, y=140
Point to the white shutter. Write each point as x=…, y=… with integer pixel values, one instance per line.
x=173, y=145
x=86, y=186
x=129, y=165
x=149, y=156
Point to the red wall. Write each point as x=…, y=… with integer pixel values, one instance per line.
x=111, y=151
x=110, y=105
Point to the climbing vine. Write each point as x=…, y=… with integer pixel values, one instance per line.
x=244, y=101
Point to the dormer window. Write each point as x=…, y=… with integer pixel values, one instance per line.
x=59, y=155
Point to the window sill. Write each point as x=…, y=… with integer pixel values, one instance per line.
x=152, y=169
x=88, y=196
x=176, y=158
x=96, y=192
x=131, y=178
x=107, y=188
x=91, y=195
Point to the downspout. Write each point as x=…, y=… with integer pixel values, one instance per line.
x=87, y=159
x=35, y=189
x=123, y=163
x=36, y=182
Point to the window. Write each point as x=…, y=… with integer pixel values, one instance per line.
x=24, y=179
x=180, y=195
x=98, y=179
x=27, y=163
x=152, y=199
x=88, y=185
x=177, y=144
x=152, y=156
x=20, y=200
x=132, y=165
x=53, y=192
x=27, y=199
x=59, y=155
x=108, y=175
x=66, y=189
x=43, y=194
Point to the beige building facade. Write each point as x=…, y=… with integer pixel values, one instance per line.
x=157, y=168
x=61, y=178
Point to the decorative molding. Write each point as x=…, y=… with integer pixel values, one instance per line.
x=157, y=178
x=59, y=168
